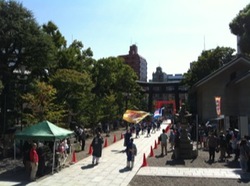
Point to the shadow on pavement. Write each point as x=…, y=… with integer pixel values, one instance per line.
x=210, y=162
x=18, y=177
x=159, y=156
x=175, y=162
x=89, y=166
x=193, y=160
x=232, y=164
x=244, y=176
x=118, y=151
x=244, y=179
x=126, y=169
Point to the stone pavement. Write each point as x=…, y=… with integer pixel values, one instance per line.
x=110, y=170
x=161, y=170
x=223, y=173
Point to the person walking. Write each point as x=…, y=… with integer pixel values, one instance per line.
x=163, y=139
x=137, y=130
x=41, y=163
x=97, y=148
x=149, y=128
x=127, y=137
x=212, y=145
x=131, y=152
x=83, y=139
x=26, y=156
x=244, y=155
x=175, y=154
x=172, y=139
x=236, y=144
x=229, y=143
x=222, y=146
x=34, y=159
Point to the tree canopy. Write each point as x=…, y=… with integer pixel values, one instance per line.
x=40, y=104
x=63, y=82
x=22, y=43
x=208, y=62
x=240, y=26
x=113, y=79
x=73, y=91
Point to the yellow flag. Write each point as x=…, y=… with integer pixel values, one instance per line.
x=134, y=116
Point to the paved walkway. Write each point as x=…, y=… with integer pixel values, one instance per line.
x=224, y=173
x=111, y=170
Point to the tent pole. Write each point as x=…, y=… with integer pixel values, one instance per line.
x=54, y=151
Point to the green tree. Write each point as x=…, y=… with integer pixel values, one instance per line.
x=240, y=26
x=52, y=30
x=40, y=104
x=22, y=42
x=72, y=57
x=208, y=62
x=113, y=79
x=74, y=92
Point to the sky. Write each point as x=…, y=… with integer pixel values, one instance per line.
x=168, y=33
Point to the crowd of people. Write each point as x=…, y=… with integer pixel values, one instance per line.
x=145, y=127
x=230, y=144
x=38, y=155
x=227, y=144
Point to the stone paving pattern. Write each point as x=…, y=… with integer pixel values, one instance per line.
x=199, y=162
x=161, y=162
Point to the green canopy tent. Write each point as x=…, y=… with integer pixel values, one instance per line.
x=43, y=131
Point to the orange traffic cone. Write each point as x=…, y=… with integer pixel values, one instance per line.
x=121, y=136
x=144, y=163
x=105, y=143
x=114, y=139
x=90, y=150
x=167, y=128
x=74, y=157
x=155, y=145
x=151, y=152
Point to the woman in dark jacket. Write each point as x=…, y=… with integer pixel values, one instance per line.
x=212, y=145
x=97, y=148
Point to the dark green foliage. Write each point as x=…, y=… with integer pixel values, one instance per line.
x=240, y=26
x=208, y=62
